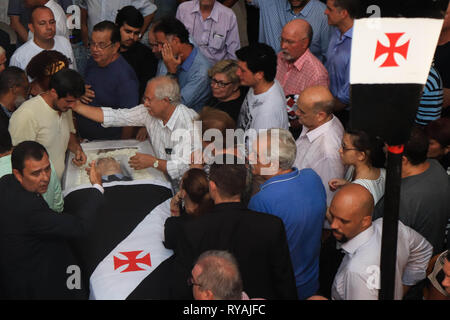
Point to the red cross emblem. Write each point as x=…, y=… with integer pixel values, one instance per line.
x=381, y=49
x=132, y=261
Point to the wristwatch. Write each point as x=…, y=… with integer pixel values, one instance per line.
x=155, y=164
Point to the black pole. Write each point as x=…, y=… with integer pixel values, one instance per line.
x=390, y=223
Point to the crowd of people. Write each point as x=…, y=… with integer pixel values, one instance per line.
x=291, y=209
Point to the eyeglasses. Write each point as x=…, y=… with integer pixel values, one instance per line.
x=344, y=148
x=290, y=42
x=100, y=45
x=191, y=282
x=220, y=84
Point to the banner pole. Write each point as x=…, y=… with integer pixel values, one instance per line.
x=390, y=223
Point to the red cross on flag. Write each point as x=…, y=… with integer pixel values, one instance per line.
x=393, y=50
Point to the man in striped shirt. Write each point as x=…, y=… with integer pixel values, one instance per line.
x=297, y=67
x=432, y=99
x=274, y=14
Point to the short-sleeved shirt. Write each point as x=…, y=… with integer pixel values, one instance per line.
x=430, y=106
x=35, y=120
x=17, y=8
x=116, y=86
x=299, y=199
x=305, y=72
x=29, y=49
x=265, y=110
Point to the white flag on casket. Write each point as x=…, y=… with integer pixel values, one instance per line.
x=393, y=50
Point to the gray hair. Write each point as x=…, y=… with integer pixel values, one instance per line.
x=167, y=87
x=285, y=152
x=220, y=274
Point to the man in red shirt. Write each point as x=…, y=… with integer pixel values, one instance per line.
x=297, y=67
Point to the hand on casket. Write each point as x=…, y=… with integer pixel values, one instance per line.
x=141, y=161
x=80, y=158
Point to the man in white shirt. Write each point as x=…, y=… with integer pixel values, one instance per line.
x=264, y=106
x=165, y=119
x=58, y=12
x=318, y=144
x=43, y=26
x=358, y=276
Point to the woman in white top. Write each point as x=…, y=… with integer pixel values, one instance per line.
x=365, y=157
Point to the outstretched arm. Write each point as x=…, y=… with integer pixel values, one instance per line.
x=93, y=113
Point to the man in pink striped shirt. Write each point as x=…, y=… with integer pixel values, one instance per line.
x=297, y=67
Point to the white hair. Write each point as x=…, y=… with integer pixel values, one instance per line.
x=167, y=87
x=285, y=152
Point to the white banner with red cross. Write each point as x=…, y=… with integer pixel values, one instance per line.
x=393, y=50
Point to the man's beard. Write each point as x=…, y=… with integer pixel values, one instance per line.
x=301, y=5
x=343, y=239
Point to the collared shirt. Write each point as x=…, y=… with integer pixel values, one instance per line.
x=217, y=36
x=193, y=78
x=307, y=71
x=358, y=276
x=338, y=64
x=100, y=10
x=298, y=198
x=6, y=111
x=274, y=14
x=318, y=149
x=162, y=136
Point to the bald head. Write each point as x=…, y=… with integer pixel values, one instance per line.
x=355, y=198
x=38, y=11
x=351, y=210
x=299, y=28
x=296, y=37
x=315, y=106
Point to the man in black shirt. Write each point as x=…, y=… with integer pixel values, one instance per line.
x=140, y=57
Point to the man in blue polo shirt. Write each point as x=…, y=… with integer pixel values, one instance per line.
x=275, y=14
x=113, y=81
x=297, y=197
x=184, y=61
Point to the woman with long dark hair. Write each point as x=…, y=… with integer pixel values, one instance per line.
x=365, y=157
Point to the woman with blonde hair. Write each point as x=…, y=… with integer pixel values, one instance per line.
x=227, y=93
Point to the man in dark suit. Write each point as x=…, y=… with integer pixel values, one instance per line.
x=36, y=259
x=257, y=240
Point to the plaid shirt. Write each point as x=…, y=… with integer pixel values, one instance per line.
x=306, y=72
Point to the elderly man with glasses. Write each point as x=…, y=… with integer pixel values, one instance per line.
x=111, y=82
